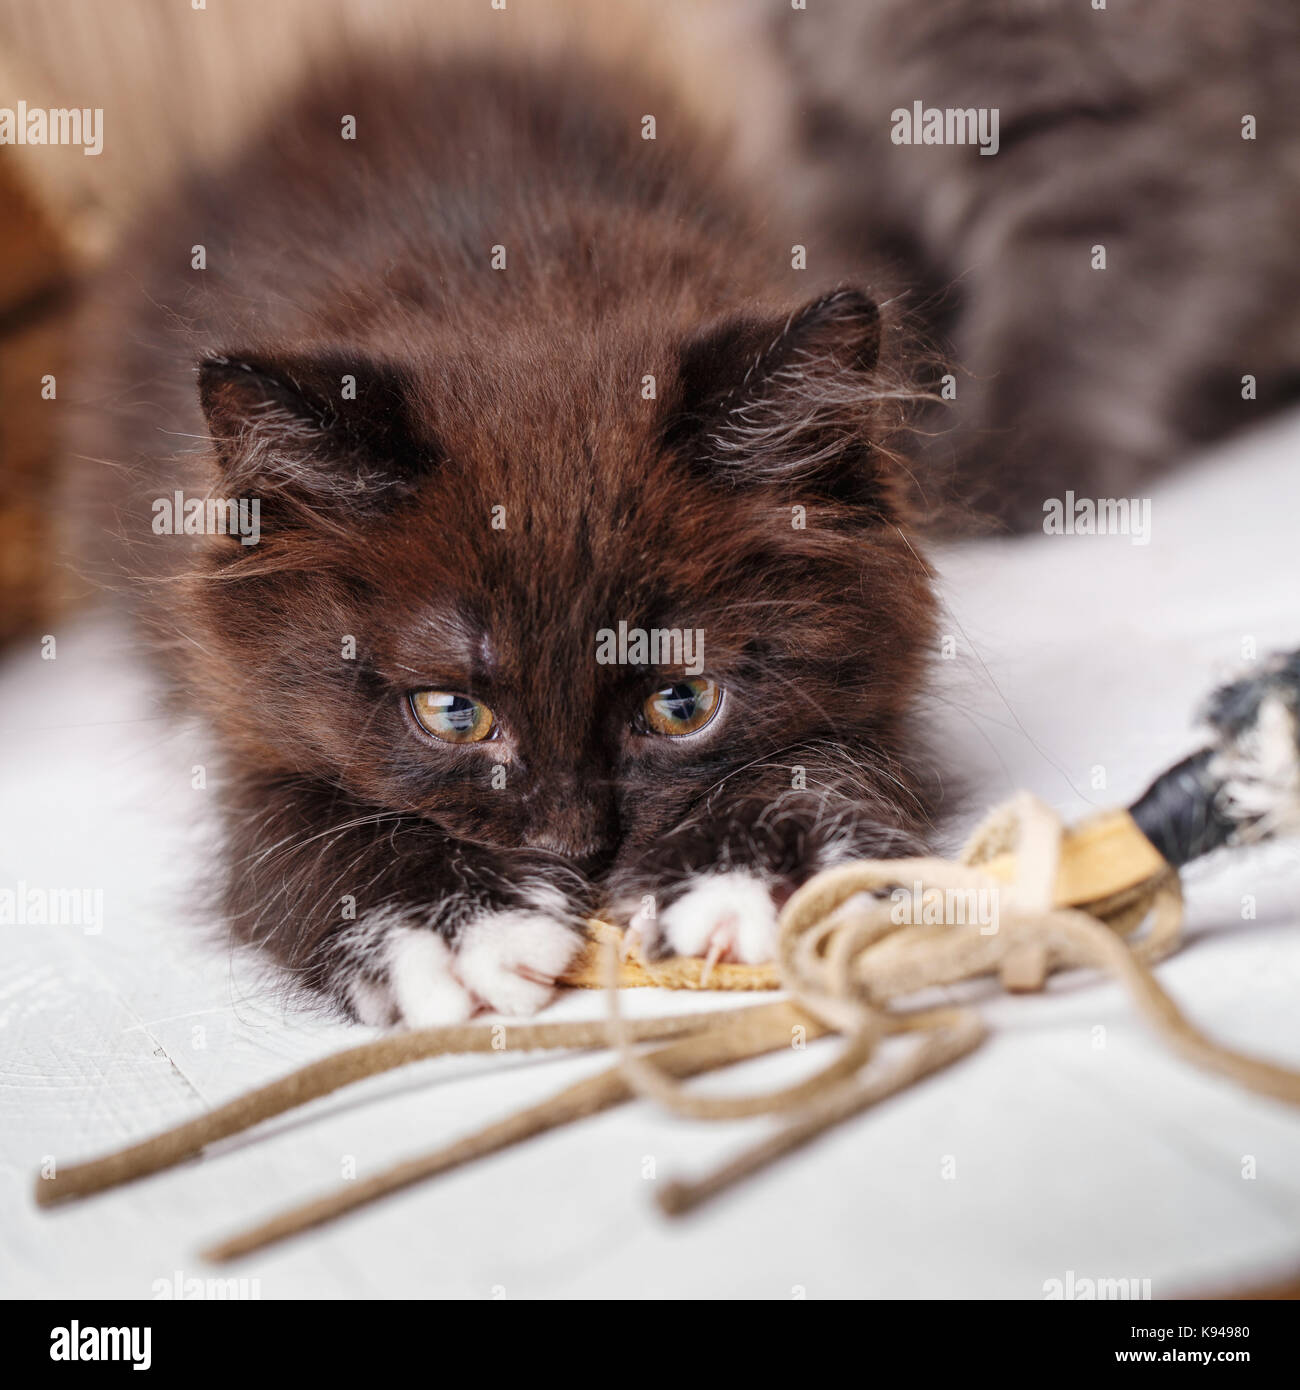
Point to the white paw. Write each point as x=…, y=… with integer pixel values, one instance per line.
x=507, y=962
x=727, y=915
x=422, y=977
x=511, y=960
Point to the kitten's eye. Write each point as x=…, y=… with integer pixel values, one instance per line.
x=683, y=707
x=450, y=717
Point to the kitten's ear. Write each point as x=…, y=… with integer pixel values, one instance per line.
x=798, y=401
x=320, y=430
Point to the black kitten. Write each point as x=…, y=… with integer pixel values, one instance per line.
x=581, y=570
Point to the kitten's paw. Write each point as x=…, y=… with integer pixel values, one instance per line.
x=724, y=915
x=425, y=987
x=507, y=962
x=511, y=960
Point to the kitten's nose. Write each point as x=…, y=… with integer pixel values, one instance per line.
x=574, y=817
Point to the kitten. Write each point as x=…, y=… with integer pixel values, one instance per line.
x=517, y=391
x=1163, y=132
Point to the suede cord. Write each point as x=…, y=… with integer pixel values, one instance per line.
x=746, y=1033
x=316, y=1079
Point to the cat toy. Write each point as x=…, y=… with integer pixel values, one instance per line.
x=1067, y=898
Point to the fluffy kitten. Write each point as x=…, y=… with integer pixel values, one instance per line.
x=503, y=375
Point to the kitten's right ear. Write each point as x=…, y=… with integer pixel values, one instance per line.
x=321, y=430
x=798, y=402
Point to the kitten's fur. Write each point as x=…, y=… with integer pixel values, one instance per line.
x=753, y=497
x=1119, y=127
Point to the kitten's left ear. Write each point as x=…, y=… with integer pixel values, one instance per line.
x=798, y=400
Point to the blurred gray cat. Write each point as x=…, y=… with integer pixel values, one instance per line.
x=1166, y=132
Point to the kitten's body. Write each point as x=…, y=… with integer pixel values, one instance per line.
x=748, y=497
x=502, y=265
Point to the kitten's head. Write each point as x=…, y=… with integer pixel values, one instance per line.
x=550, y=591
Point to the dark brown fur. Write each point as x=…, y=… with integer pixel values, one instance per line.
x=518, y=389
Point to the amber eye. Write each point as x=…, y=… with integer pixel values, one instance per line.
x=450, y=717
x=683, y=707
